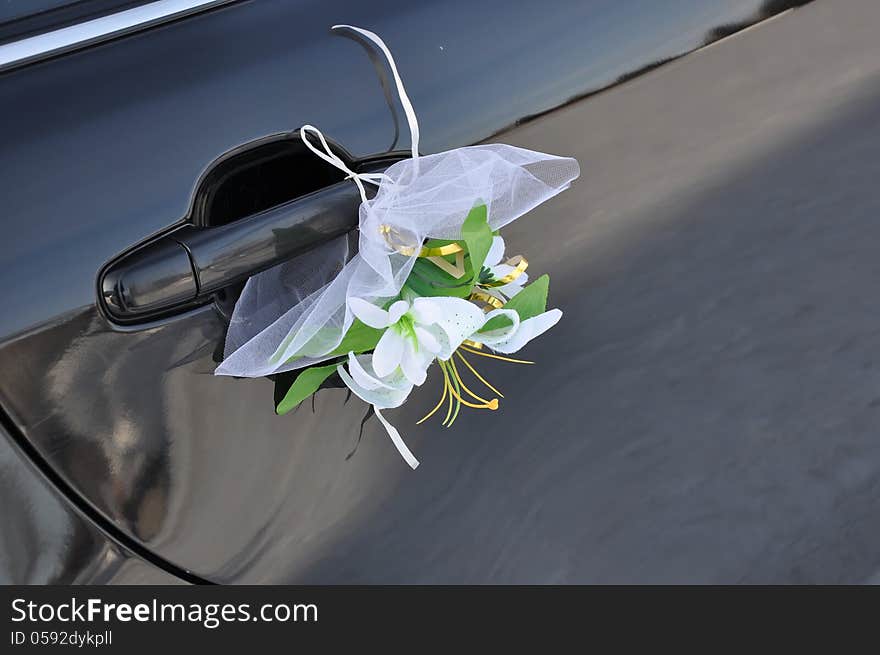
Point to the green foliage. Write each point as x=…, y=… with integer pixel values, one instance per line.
x=359, y=339
x=427, y=279
x=532, y=300
x=529, y=302
x=496, y=323
x=306, y=383
x=477, y=235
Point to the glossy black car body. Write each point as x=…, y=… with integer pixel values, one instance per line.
x=705, y=412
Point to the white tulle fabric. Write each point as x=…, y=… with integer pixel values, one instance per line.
x=296, y=314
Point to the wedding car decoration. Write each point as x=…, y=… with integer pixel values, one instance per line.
x=430, y=284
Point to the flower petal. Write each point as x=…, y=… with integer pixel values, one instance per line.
x=370, y=314
x=397, y=310
x=388, y=352
x=360, y=374
x=496, y=252
x=379, y=398
x=445, y=349
x=458, y=318
x=427, y=340
x=500, y=270
x=425, y=311
x=528, y=330
x=415, y=364
x=510, y=290
x=499, y=335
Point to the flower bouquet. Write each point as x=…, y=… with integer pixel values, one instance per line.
x=430, y=282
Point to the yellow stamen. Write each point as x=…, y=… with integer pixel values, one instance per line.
x=434, y=411
x=478, y=376
x=448, y=387
x=503, y=359
x=464, y=386
x=493, y=404
x=453, y=387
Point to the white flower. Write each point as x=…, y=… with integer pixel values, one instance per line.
x=499, y=271
x=382, y=393
x=416, y=332
x=511, y=338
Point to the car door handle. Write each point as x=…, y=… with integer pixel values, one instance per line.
x=185, y=266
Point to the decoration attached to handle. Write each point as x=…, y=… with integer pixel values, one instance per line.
x=430, y=282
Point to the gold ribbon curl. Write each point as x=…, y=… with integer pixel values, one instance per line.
x=519, y=263
x=434, y=255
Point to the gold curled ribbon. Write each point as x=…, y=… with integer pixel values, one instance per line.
x=441, y=251
x=434, y=255
x=519, y=263
x=491, y=301
x=393, y=238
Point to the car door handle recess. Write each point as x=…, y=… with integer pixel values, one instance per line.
x=185, y=266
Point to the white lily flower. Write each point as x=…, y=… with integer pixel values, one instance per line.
x=416, y=332
x=499, y=270
x=513, y=337
x=381, y=393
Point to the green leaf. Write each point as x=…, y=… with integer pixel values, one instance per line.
x=307, y=383
x=529, y=302
x=477, y=235
x=427, y=279
x=532, y=300
x=496, y=323
x=359, y=338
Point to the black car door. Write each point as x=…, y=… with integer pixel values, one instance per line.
x=107, y=147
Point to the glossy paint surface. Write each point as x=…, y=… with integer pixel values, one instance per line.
x=705, y=411
x=45, y=540
x=120, y=133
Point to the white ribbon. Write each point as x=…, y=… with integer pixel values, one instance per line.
x=401, y=91
x=373, y=178
x=333, y=159
x=405, y=452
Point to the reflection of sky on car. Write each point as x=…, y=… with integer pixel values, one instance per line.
x=616, y=38
x=500, y=60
